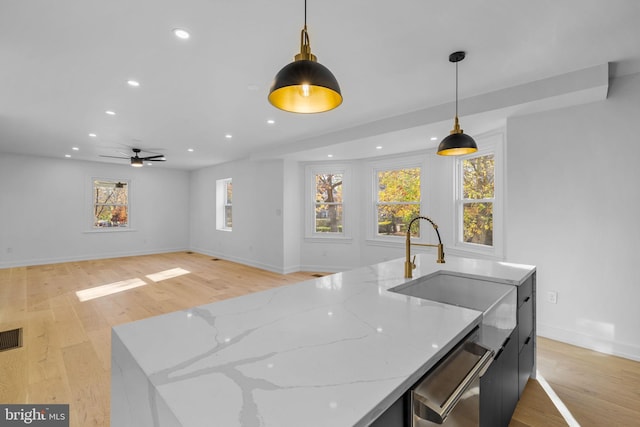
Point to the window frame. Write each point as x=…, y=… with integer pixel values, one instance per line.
x=491, y=144
x=311, y=170
x=393, y=163
x=222, y=203
x=92, y=228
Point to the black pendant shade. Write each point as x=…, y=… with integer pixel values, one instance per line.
x=457, y=143
x=305, y=86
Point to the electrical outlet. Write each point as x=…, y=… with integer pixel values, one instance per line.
x=552, y=297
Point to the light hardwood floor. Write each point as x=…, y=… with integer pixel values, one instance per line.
x=65, y=357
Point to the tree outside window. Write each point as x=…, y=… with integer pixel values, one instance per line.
x=398, y=201
x=328, y=203
x=110, y=204
x=228, y=218
x=478, y=197
x=224, y=204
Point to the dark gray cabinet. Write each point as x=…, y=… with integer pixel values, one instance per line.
x=526, y=331
x=396, y=416
x=502, y=385
x=499, y=385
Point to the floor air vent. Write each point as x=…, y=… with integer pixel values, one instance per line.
x=215, y=259
x=317, y=275
x=10, y=339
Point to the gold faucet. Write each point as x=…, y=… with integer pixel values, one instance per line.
x=409, y=264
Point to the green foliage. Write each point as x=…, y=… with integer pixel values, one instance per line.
x=395, y=187
x=477, y=186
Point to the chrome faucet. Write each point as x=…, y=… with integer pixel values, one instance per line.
x=409, y=264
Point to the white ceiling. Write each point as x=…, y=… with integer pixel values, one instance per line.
x=64, y=62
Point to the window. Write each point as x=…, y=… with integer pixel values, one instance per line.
x=224, y=197
x=110, y=204
x=479, y=218
x=478, y=199
x=328, y=203
x=397, y=200
x=326, y=199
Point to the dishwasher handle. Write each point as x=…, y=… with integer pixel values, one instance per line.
x=429, y=410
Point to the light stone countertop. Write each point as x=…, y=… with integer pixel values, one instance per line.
x=333, y=351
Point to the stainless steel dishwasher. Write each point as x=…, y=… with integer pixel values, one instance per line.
x=450, y=393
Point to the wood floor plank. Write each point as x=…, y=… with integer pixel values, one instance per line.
x=13, y=376
x=67, y=352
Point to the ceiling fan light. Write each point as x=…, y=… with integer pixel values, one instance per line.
x=136, y=162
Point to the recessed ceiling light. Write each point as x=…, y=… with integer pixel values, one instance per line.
x=252, y=87
x=181, y=34
x=434, y=138
x=111, y=113
x=67, y=155
x=92, y=135
x=149, y=164
x=271, y=121
x=75, y=148
x=228, y=136
x=379, y=147
x=133, y=83
x=329, y=155
x=190, y=150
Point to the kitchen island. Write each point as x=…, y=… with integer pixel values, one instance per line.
x=333, y=351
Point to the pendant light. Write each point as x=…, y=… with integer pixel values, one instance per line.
x=457, y=142
x=305, y=86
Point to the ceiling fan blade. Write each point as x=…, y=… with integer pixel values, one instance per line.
x=156, y=160
x=115, y=157
x=158, y=157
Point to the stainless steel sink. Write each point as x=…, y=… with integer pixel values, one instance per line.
x=496, y=301
x=457, y=290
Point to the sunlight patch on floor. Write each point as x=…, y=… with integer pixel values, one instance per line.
x=108, y=289
x=560, y=406
x=167, y=274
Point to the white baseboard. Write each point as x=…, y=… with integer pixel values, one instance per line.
x=245, y=261
x=628, y=351
x=324, y=268
x=55, y=260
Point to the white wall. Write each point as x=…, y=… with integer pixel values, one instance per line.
x=257, y=236
x=45, y=211
x=573, y=208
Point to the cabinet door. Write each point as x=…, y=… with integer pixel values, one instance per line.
x=525, y=320
x=396, y=416
x=525, y=364
x=491, y=394
x=510, y=393
x=499, y=386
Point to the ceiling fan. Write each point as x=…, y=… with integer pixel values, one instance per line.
x=137, y=161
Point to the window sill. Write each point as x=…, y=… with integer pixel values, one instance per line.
x=395, y=243
x=475, y=251
x=110, y=230
x=328, y=239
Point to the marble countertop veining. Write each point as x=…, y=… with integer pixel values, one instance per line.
x=333, y=351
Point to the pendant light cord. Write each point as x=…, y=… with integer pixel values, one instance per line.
x=456, y=87
x=305, y=13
